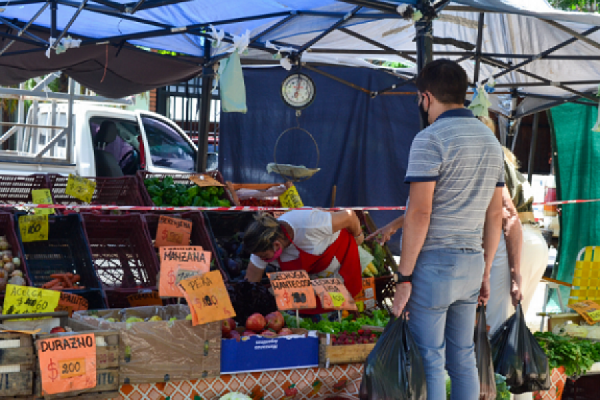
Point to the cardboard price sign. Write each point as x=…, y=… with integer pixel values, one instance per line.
x=80, y=188
x=208, y=298
x=589, y=310
x=173, y=232
x=172, y=259
x=42, y=196
x=33, y=227
x=67, y=363
x=333, y=294
x=71, y=302
x=144, y=299
x=291, y=199
x=365, y=300
x=29, y=300
x=184, y=274
x=204, y=180
x=292, y=290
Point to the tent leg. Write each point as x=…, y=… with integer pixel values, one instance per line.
x=204, y=123
x=534, y=134
x=424, y=35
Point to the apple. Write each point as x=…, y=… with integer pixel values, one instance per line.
x=225, y=328
x=285, y=332
x=268, y=333
x=256, y=323
x=275, y=321
x=232, y=324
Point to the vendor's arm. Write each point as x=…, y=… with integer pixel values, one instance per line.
x=382, y=235
x=513, y=233
x=254, y=273
x=347, y=219
x=492, y=230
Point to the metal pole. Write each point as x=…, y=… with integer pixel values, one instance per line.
x=534, y=135
x=204, y=123
x=424, y=32
x=478, y=48
x=70, y=128
x=20, y=118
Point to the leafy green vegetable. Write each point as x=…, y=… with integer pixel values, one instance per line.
x=348, y=324
x=169, y=193
x=576, y=355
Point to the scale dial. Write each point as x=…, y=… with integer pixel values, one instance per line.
x=298, y=91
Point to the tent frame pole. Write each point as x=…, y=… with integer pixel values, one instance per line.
x=480, y=25
x=388, y=49
x=204, y=120
x=333, y=27
x=424, y=41
x=21, y=31
x=532, y=147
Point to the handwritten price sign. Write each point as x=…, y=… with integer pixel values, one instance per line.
x=42, y=196
x=33, y=228
x=144, y=299
x=29, y=300
x=67, y=363
x=172, y=259
x=291, y=198
x=589, y=310
x=333, y=294
x=208, y=298
x=292, y=290
x=173, y=232
x=366, y=298
x=204, y=180
x=80, y=188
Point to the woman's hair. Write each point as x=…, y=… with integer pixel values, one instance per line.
x=261, y=233
x=508, y=155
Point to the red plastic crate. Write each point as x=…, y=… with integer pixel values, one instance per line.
x=17, y=188
x=177, y=178
x=123, y=191
x=122, y=252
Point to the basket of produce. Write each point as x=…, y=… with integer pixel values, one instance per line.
x=123, y=191
x=177, y=190
x=15, y=189
x=123, y=258
x=159, y=344
x=64, y=261
x=12, y=264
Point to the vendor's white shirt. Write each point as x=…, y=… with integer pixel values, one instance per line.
x=313, y=233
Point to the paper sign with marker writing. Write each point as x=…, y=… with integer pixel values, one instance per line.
x=145, y=299
x=29, y=300
x=67, y=363
x=173, y=232
x=80, y=188
x=172, y=259
x=291, y=198
x=204, y=180
x=42, y=196
x=71, y=302
x=333, y=294
x=589, y=310
x=207, y=297
x=184, y=274
x=33, y=228
x=292, y=290
x=365, y=300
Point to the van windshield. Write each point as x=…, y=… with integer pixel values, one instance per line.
x=167, y=147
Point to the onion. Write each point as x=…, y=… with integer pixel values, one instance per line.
x=16, y=272
x=17, y=261
x=6, y=258
x=9, y=267
x=17, y=280
x=4, y=245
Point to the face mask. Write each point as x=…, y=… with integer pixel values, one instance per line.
x=276, y=255
x=423, y=112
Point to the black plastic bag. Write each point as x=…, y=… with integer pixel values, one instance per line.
x=394, y=370
x=483, y=355
x=518, y=357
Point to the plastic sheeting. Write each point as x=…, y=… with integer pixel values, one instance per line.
x=363, y=142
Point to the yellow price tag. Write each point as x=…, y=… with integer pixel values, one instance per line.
x=33, y=227
x=291, y=199
x=71, y=368
x=29, y=300
x=42, y=196
x=337, y=299
x=80, y=188
x=594, y=315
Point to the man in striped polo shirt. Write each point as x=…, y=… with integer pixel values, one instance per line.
x=456, y=175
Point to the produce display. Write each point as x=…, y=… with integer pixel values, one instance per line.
x=9, y=266
x=249, y=298
x=235, y=259
x=168, y=193
x=271, y=325
x=362, y=336
x=63, y=282
x=348, y=325
x=377, y=267
x=576, y=355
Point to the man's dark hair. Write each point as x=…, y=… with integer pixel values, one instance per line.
x=445, y=80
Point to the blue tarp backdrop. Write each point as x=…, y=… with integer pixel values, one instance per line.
x=363, y=142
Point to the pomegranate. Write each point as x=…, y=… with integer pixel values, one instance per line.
x=225, y=328
x=256, y=323
x=285, y=332
x=249, y=333
x=275, y=321
x=268, y=333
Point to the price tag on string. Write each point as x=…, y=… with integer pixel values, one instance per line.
x=173, y=232
x=292, y=290
x=333, y=294
x=71, y=302
x=172, y=259
x=42, y=196
x=67, y=363
x=208, y=298
x=365, y=300
x=80, y=188
x=29, y=300
x=145, y=299
x=589, y=310
x=204, y=180
x=33, y=228
x=291, y=199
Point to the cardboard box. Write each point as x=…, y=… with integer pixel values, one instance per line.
x=257, y=353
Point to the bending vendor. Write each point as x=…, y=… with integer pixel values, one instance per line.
x=324, y=244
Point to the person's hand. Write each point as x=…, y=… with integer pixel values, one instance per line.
x=401, y=298
x=515, y=290
x=382, y=235
x=360, y=238
x=484, y=292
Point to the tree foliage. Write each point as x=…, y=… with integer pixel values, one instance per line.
x=576, y=5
